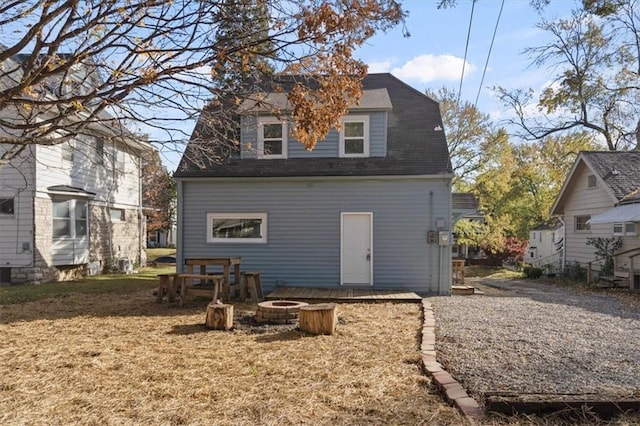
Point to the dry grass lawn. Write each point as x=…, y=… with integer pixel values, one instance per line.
x=123, y=359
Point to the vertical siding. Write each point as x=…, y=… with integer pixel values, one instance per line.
x=16, y=231
x=303, y=247
x=326, y=148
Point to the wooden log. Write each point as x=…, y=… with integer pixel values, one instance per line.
x=219, y=316
x=320, y=318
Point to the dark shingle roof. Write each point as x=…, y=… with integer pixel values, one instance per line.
x=620, y=171
x=464, y=201
x=416, y=145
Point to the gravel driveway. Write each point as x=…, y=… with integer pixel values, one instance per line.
x=525, y=337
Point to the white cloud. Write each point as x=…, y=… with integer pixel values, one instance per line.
x=428, y=68
x=380, y=66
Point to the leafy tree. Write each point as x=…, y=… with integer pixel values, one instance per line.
x=68, y=67
x=595, y=64
x=466, y=129
x=158, y=194
x=605, y=248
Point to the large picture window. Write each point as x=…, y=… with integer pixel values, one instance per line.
x=272, y=138
x=237, y=227
x=70, y=219
x=354, y=137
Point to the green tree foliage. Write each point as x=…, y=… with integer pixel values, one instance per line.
x=605, y=248
x=466, y=129
x=158, y=194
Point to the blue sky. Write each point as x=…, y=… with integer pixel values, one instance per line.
x=433, y=55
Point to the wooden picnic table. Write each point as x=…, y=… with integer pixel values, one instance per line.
x=199, y=265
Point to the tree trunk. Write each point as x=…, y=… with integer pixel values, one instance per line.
x=219, y=316
x=320, y=318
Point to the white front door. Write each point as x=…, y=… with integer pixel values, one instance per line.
x=356, y=249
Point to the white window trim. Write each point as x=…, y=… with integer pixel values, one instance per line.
x=263, y=228
x=271, y=120
x=624, y=232
x=355, y=119
x=73, y=205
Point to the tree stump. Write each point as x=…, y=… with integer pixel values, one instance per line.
x=219, y=316
x=320, y=318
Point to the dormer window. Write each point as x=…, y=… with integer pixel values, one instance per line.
x=272, y=138
x=354, y=136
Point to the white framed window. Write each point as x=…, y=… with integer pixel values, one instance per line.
x=354, y=136
x=7, y=206
x=66, y=152
x=591, y=181
x=236, y=227
x=98, y=151
x=625, y=228
x=69, y=219
x=117, y=215
x=272, y=138
x=580, y=222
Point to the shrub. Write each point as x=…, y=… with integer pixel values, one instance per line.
x=532, y=272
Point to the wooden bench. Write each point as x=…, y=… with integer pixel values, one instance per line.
x=166, y=285
x=252, y=287
x=202, y=289
x=618, y=279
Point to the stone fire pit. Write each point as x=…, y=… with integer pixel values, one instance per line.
x=278, y=311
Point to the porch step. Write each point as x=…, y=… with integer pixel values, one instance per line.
x=463, y=290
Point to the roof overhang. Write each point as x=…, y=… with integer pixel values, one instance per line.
x=624, y=213
x=371, y=100
x=70, y=192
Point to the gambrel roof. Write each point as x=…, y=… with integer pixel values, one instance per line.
x=416, y=144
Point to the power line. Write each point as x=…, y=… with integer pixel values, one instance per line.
x=466, y=49
x=486, y=64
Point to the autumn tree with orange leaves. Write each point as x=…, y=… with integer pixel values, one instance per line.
x=148, y=66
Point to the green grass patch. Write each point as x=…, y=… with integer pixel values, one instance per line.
x=105, y=284
x=154, y=253
x=491, y=272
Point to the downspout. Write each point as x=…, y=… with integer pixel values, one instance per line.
x=563, y=261
x=179, y=226
x=430, y=245
x=141, y=224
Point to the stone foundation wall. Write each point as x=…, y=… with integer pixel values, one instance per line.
x=109, y=242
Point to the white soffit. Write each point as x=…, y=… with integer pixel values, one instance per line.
x=625, y=213
x=375, y=99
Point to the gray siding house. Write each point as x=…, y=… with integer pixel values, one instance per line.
x=369, y=207
x=600, y=198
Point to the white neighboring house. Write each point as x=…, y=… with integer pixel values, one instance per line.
x=601, y=198
x=546, y=242
x=72, y=208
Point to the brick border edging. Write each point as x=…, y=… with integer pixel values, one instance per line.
x=453, y=391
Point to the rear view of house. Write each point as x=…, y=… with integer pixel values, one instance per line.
x=369, y=207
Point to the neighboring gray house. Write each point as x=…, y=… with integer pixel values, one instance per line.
x=370, y=206
x=73, y=207
x=601, y=198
